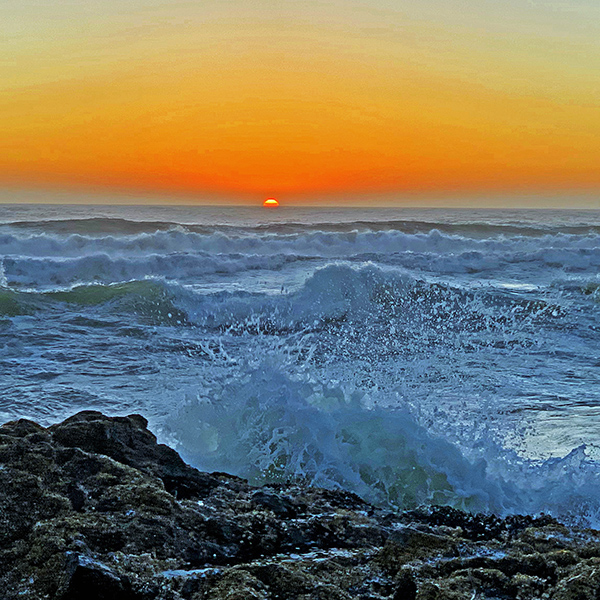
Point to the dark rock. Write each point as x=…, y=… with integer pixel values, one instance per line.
x=127, y=440
x=406, y=588
x=89, y=579
x=76, y=495
x=21, y=428
x=95, y=508
x=280, y=505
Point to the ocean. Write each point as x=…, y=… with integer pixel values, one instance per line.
x=412, y=356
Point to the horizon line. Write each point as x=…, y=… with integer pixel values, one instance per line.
x=59, y=195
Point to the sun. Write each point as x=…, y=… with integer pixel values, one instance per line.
x=271, y=203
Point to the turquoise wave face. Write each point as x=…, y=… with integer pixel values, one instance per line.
x=269, y=428
x=149, y=301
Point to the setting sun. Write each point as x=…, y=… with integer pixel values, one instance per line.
x=271, y=203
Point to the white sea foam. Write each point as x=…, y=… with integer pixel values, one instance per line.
x=52, y=259
x=268, y=427
x=411, y=361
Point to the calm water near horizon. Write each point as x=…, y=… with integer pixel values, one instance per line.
x=410, y=355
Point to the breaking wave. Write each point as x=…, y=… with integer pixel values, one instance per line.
x=45, y=260
x=268, y=427
x=410, y=361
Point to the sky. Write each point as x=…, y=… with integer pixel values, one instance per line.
x=304, y=99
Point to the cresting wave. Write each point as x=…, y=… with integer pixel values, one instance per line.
x=43, y=260
x=269, y=427
x=44, y=273
x=146, y=300
x=291, y=413
x=338, y=293
x=408, y=361
x=217, y=239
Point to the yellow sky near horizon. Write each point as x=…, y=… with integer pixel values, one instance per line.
x=303, y=98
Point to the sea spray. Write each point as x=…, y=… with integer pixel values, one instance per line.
x=269, y=428
x=424, y=357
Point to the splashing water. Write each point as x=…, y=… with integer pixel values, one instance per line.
x=424, y=357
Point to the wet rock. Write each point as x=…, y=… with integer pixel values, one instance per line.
x=583, y=582
x=95, y=508
x=127, y=440
x=90, y=579
x=280, y=505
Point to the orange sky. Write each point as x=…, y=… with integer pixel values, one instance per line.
x=302, y=99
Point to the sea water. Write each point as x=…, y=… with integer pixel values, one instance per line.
x=411, y=356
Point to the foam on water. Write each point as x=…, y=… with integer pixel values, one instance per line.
x=411, y=361
x=40, y=259
x=268, y=427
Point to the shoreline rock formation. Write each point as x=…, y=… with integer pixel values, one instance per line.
x=94, y=508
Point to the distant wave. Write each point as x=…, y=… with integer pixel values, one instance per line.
x=41, y=273
x=315, y=243
x=43, y=260
x=474, y=229
x=102, y=226
x=94, y=225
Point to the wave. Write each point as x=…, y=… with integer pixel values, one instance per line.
x=543, y=266
x=150, y=301
x=41, y=273
x=95, y=226
x=384, y=303
x=270, y=427
x=101, y=226
x=14, y=304
x=362, y=295
x=464, y=229
x=46, y=259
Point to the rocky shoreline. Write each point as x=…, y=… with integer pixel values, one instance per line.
x=93, y=508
